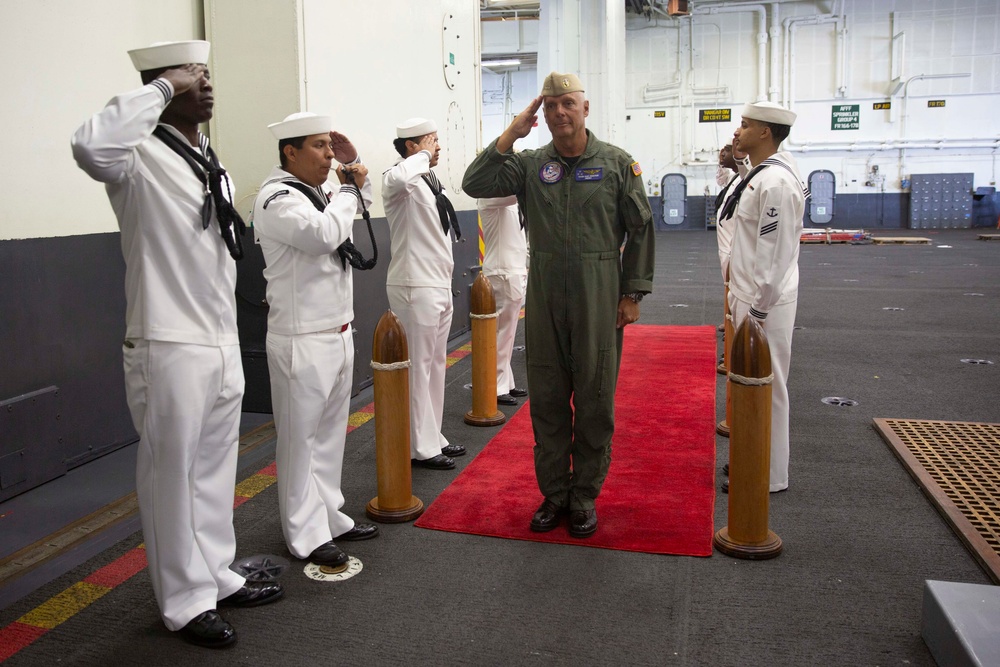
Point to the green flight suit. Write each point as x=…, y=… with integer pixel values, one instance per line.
x=577, y=216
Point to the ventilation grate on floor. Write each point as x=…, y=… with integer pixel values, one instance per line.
x=958, y=466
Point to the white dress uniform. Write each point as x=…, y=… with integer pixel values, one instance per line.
x=505, y=263
x=310, y=351
x=724, y=228
x=419, y=289
x=764, y=280
x=183, y=370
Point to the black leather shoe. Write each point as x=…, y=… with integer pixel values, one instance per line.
x=582, y=523
x=546, y=517
x=725, y=470
x=328, y=554
x=453, y=450
x=361, y=531
x=209, y=629
x=725, y=485
x=439, y=462
x=506, y=399
x=518, y=393
x=253, y=594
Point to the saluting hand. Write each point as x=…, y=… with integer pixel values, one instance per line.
x=185, y=77
x=524, y=121
x=343, y=150
x=521, y=126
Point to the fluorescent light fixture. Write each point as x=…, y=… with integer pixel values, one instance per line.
x=500, y=63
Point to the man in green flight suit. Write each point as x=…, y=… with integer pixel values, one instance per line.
x=583, y=199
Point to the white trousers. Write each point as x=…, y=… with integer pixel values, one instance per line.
x=185, y=402
x=426, y=316
x=311, y=380
x=508, y=291
x=778, y=326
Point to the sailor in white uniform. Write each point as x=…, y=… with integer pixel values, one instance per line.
x=728, y=178
x=763, y=270
x=183, y=370
x=302, y=229
x=505, y=264
x=421, y=226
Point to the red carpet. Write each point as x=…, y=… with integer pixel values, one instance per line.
x=659, y=496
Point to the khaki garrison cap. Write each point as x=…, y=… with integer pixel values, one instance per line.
x=556, y=84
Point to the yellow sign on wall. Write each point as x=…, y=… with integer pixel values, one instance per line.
x=715, y=115
x=659, y=114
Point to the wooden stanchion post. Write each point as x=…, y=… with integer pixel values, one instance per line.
x=722, y=428
x=747, y=534
x=395, y=502
x=483, y=311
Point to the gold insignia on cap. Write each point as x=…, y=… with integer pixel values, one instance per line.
x=565, y=83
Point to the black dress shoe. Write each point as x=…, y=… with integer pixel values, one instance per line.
x=253, y=594
x=725, y=470
x=453, y=450
x=439, y=462
x=328, y=554
x=209, y=629
x=725, y=485
x=546, y=517
x=361, y=531
x=506, y=399
x=582, y=523
x=518, y=393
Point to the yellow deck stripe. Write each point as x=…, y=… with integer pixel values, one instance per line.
x=61, y=607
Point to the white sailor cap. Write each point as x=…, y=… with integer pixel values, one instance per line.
x=170, y=54
x=301, y=124
x=769, y=112
x=415, y=127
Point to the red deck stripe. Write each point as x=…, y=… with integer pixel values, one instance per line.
x=121, y=570
x=16, y=636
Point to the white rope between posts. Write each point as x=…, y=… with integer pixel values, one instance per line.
x=488, y=316
x=398, y=365
x=750, y=382
x=729, y=316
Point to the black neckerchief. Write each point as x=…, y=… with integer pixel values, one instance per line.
x=447, y=212
x=721, y=197
x=211, y=174
x=347, y=251
x=734, y=199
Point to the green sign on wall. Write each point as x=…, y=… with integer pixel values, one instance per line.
x=846, y=117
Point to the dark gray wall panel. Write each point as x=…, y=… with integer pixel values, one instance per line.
x=62, y=323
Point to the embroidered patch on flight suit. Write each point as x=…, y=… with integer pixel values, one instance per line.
x=551, y=172
x=589, y=173
x=636, y=169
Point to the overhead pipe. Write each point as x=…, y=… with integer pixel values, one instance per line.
x=761, y=13
x=776, y=44
x=905, y=110
x=788, y=72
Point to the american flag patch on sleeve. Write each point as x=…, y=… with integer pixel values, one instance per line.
x=636, y=169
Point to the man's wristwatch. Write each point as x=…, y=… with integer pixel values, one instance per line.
x=636, y=297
